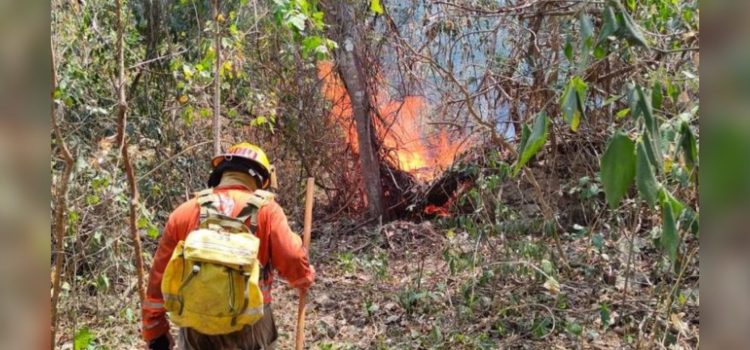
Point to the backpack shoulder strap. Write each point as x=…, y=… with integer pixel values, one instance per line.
x=207, y=200
x=255, y=202
x=210, y=214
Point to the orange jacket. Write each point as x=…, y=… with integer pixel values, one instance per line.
x=279, y=246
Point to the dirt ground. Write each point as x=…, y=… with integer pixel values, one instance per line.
x=399, y=286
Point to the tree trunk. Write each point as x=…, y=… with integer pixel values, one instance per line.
x=122, y=142
x=348, y=58
x=60, y=192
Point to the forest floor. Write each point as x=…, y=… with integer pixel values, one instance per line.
x=392, y=288
x=414, y=286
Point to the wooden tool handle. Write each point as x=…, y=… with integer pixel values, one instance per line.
x=300, y=340
x=308, y=212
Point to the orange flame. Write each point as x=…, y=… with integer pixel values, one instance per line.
x=413, y=148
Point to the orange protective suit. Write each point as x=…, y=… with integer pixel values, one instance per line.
x=280, y=250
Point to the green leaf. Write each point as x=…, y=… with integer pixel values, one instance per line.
x=667, y=197
x=569, y=51
x=376, y=7
x=628, y=28
x=92, y=199
x=600, y=52
x=632, y=94
x=622, y=113
x=631, y=5
x=609, y=25
x=310, y=44
x=656, y=96
x=669, y=240
x=587, y=31
x=297, y=21
x=187, y=71
x=604, y=314
x=645, y=179
x=152, y=231
x=652, y=150
x=574, y=329
x=618, y=168
x=142, y=222
x=532, y=143
x=616, y=21
x=644, y=106
x=318, y=17
x=689, y=146
x=587, y=41
x=82, y=339
x=573, y=102
x=258, y=121
x=102, y=283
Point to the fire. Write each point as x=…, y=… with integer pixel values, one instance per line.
x=443, y=210
x=405, y=133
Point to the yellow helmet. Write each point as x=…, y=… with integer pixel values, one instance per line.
x=250, y=152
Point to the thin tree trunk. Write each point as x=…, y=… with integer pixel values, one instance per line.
x=217, y=80
x=60, y=205
x=122, y=109
x=348, y=57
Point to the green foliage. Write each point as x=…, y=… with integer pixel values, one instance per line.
x=541, y=327
x=376, y=7
x=688, y=145
x=666, y=197
x=648, y=186
x=670, y=239
x=604, y=315
x=306, y=22
x=410, y=298
x=573, y=328
x=586, y=188
x=83, y=339
x=347, y=262
x=618, y=168
x=573, y=102
x=378, y=265
x=617, y=22
x=531, y=141
x=646, y=109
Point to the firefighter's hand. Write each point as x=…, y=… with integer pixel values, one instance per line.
x=163, y=342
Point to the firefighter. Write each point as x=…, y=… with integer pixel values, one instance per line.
x=243, y=169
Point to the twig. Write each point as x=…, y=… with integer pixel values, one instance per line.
x=549, y=216
x=170, y=159
x=170, y=55
x=630, y=251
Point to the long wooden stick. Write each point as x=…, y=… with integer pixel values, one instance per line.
x=306, y=244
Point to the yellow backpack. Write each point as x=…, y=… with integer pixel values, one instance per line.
x=211, y=282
